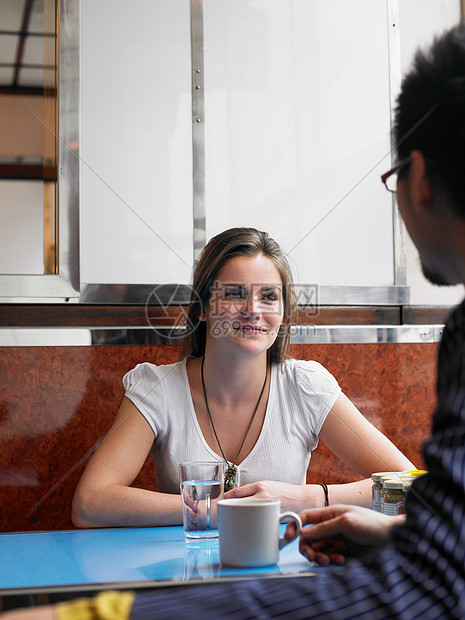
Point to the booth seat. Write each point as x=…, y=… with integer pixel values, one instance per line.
x=56, y=403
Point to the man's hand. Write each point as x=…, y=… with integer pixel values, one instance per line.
x=341, y=531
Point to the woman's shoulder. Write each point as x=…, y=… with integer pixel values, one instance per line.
x=147, y=372
x=308, y=374
x=299, y=368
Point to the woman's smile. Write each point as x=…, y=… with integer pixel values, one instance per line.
x=252, y=330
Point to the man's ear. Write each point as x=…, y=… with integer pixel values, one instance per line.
x=421, y=192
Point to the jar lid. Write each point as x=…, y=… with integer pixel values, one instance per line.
x=393, y=484
x=394, y=475
x=417, y=472
x=377, y=476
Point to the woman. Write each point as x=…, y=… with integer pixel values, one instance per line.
x=235, y=395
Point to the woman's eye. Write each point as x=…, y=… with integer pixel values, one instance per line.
x=233, y=294
x=270, y=297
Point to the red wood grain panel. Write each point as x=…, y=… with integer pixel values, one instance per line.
x=393, y=385
x=57, y=402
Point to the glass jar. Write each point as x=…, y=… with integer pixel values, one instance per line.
x=393, y=496
x=407, y=485
x=377, y=479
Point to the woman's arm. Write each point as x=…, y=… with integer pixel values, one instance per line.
x=104, y=497
x=354, y=440
x=363, y=447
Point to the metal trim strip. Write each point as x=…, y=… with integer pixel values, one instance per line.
x=307, y=294
x=64, y=285
x=300, y=334
x=198, y=127
x=395, y=74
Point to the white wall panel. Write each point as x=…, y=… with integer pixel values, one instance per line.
x=298, y=131
x=136, y=142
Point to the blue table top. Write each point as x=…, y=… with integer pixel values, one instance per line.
x=122, y=558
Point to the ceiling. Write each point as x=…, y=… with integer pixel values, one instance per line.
x=27, y=46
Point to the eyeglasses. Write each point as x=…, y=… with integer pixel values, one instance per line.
x=390, y=178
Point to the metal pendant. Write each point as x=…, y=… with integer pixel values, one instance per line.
x=230, y=478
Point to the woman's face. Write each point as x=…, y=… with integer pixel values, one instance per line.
x=246, y=306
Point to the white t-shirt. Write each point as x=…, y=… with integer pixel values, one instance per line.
x=298, y=403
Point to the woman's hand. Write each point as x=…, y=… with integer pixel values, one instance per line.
x=338, y=532
x=293, y=496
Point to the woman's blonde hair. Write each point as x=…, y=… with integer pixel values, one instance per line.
x=218, y=251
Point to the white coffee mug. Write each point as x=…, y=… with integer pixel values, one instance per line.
x=249, y=531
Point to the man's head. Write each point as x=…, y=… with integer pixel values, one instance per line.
x=430, y=129
x=430, y=114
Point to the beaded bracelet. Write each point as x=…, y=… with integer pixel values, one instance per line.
x=325, y=489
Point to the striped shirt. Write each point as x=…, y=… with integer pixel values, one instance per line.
x=420, y=574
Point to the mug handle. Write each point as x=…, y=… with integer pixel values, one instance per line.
x=298, y=524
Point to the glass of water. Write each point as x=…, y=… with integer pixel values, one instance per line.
x=202, y=486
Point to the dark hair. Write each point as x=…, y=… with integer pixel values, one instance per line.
x=430, y=115
x=218, y=251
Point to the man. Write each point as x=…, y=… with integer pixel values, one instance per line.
x=417, y=567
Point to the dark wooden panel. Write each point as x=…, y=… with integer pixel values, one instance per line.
x=349, y=315
x=83, y=315
x=28, y=172
x=124, y=315
x=90, y=315
x=425, y=315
